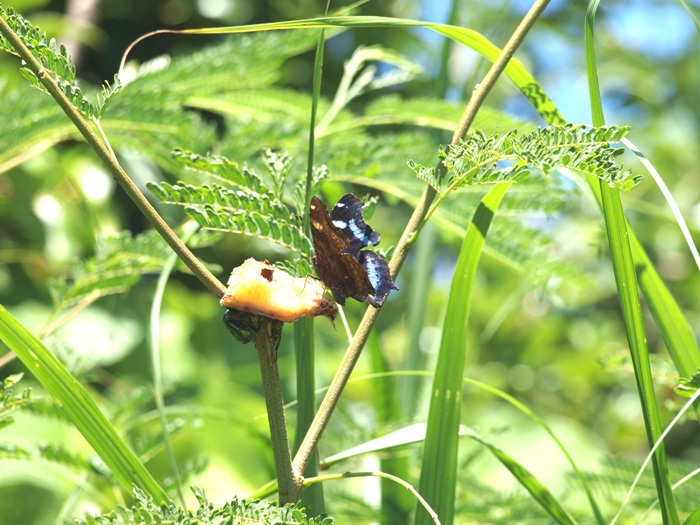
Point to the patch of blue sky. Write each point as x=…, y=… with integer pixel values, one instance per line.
x=659, y=30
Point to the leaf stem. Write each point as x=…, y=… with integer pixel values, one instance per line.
x=407, y=239
x=112, y=164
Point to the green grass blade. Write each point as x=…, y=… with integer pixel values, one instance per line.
x=674, y=328
x=528, y=481
x=623, y=267
x=673, y=325
x=693, y=518
x=689, y=10
x=79, y=406
x=439, y=468
x=515, y=70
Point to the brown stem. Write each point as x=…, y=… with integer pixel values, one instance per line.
x=112, y=164
x=265, y=339
x=408, y=236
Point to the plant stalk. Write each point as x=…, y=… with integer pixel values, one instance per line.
x=288, y=482
x=407, y=239
x=145, y=207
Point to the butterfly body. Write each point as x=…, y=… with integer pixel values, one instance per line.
x=340, y=261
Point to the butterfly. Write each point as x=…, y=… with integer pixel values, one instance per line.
x=340, y=261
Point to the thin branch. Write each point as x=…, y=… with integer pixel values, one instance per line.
x=112, y=164
x=407, y=239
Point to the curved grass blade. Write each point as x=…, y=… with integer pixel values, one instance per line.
x=673, y=325
x=693, y=518
x=515, y=70
x=416, y=433
x=79, y=406
x=527, y=480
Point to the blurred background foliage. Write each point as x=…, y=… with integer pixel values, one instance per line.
x=559, y=347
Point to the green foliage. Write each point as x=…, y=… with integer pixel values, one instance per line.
x=533, y=253
x=235, y=512
x=149, y=114
x=55, y=59
x=62, y=455
x=483, y=159
x=242, y=62
x=365, y=145
x=614, y=476
x=244, y=205
x=119, y=262
x=688, y=387
x=9, y=401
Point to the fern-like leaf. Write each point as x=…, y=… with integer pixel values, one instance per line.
x=45, y=50
x=55, y=59
x=217, y=208
x=483, y=158
x=12, y=451
x=239, y=202
x=247, y=61
x=9, y=401
x=118, y=264
x=145, y=510
x=62, y=456
x=221, y=169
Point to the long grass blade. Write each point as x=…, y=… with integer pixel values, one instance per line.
x=674, y=327
x=439, y=469
x=623, y=267
x=79, y=406
x=514, y=70
x=304, y=346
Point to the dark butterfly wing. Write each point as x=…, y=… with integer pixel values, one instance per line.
x=379, y=276
x=345, y=277
x=335, y=266
x=347, y=216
